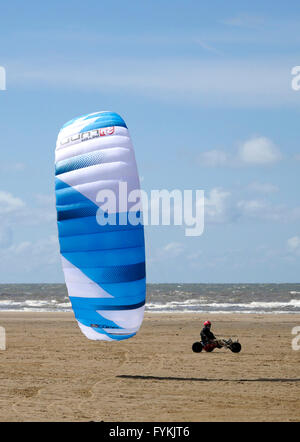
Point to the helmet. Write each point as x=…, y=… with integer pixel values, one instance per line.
x=207, y=324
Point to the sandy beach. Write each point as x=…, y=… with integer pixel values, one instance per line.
x=51, y=372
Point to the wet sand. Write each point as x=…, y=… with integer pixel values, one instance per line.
x=51, y=372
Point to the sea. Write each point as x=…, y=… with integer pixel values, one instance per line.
x=167, y=298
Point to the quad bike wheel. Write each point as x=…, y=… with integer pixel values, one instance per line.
x=197, y=347
x=235, y=347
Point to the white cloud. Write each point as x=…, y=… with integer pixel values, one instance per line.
x=29, y=256
x=252, y=208
x=16, y=212
x=294, y=244
x=259, y=151
x=173, y=249
x=266, y=211
x=222, y=206
x=9, y=203
x=263, y=210
x=22, y=251
x=169, y=251
x=218, y=206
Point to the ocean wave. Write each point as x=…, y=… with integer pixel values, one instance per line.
x=64, y=304
x=34, y=305
x=253, y=306
x=8, y=302
x=191, y=305
x=169, y=298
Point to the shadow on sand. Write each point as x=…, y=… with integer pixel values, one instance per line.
x=167, y=378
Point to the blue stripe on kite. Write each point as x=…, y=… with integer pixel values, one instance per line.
x=112, y=274
x=93, y=304
x=118, y=239
x=120, y=337
x=127, y=298
x=68, y=195
x=79, y=210
x=79, y=162
x=126, y=290
x=97, y=114
x=107, y=120
x=89, y=225
x=132, y=255
x=59, y=184
x=69, y=123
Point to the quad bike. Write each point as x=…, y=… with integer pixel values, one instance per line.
x=234, y=346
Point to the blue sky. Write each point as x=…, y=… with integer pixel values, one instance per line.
x=205, y=89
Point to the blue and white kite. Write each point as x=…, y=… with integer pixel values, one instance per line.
x=103, y=252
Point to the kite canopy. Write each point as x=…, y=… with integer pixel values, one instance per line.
x=103, y=263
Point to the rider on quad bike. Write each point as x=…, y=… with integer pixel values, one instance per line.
x=209, y=341
x=207, y=336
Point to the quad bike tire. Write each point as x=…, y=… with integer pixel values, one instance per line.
x=197, y=347
x=235, y=347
